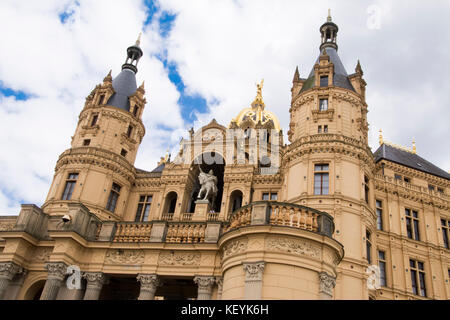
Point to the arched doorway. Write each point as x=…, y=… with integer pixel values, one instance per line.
x=171, y=202
x=236, y=198
x=207, y=161
x=35, y=290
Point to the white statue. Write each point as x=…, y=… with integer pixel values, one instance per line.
x=208, y=181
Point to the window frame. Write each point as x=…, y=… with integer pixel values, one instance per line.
x=71, y=183
x=383, y=270
x=412, y=222
x=418, y=277
x=326, y=106
x=445, y=228
x=113, y=197
x=379, y=213
x=321, y=173
x=143, y=208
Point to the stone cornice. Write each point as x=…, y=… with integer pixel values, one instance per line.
x=99, y=157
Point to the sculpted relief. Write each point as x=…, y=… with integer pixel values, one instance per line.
x=125, y=256
x=179, y=258
x=298, y=247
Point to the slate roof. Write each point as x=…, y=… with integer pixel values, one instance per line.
x=340, y=78
x=159, y=168
x=408, y=159
x=124, y=86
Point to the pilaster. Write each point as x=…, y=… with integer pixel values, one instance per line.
x=149, y=284
x=7, y=272
x=205, y=284
x=327, y=284
x=253, y=280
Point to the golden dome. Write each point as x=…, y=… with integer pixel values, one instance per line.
x=256, y=114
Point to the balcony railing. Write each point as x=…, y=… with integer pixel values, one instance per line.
x=281, y=214
x=132, y=232
x=186, y=233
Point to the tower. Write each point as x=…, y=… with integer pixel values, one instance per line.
x=98, y=170
x=329, y=165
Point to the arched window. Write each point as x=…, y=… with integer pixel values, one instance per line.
x=236, y=200
x=171, y=202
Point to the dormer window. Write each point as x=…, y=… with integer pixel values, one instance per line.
x=135, y=111
x=323, y=105
x=324, y=81
x=100, y=100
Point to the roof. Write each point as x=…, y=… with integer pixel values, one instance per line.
x=340, y=78
x=408, y=159
x=159, y=168
x=124, y=86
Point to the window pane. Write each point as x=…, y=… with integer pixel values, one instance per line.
x=274, y=196
x=149, y=198
x=265, y=196
x=423, y=291
x=379, y=219
x=379, y=204
x=407, y=212
x=416, y=230
x=138, y=213
x=146, y=212
x=324, y=81
x=67, y=194
x=381, y=255
x=412, y=263
x=325, y=183
x=445, y=236
x=415, y=214
x=382, y=266
x=420, y=265
x=142, y=199
x=413, y=281
x=409, y=228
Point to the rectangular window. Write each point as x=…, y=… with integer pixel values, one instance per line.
x=123, y=153
x=368, y=247
x=412, y=224
x=382, y=266
x=325, y=129
x=129, y=131
x=319, y=129
x=113, y=197
x=445, y=232
x=323, y=105
x=86, y=142
x=407, y=180
x=70, y=185
x=397, y=177
x=135, y=111
x=143, y=209
x=94, y=120
x=379, y=210
x=101, y=99
x=266, y=196
x=418, y=277
x=440, y=190
x=321, y=179
x=430, y=187
x=324, y=81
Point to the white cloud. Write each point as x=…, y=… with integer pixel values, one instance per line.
x=221, y=48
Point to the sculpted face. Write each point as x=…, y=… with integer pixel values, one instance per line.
x=211, y=172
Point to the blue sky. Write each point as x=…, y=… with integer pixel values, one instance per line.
x=201, y=61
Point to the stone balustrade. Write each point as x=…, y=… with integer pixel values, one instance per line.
x=186, y=233
x=281, y=214
x=132, y=232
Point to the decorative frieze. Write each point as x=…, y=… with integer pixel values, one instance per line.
x=294, y=246
x=120, y=256
x=234, y=247
x=179, y=258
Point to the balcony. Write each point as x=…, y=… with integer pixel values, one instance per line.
x=281, y=214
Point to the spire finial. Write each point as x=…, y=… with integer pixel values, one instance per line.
x=138, y=41
x=296, y=75
x=414, y=146
x=329, y=15
x=381, y=137
x=258, y=102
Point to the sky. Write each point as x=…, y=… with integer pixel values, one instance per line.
x=202, y=59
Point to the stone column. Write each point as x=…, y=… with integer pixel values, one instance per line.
x=7, y=272
x=149, y=284
x=326, y=286
x=205, y=284
x=219, y=281
x=253, y=280
x=95, y=282
x=56, y=274
x=15, y=285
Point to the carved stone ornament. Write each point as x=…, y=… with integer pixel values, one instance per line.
x=56, y=270
x=293, y=246
x=254, y=271
x=9, y=270
x=179, y=258
x=6, y=226
x=42, y=254
x=204, y=282
x=150, y=281
x=234, y=247
x=97, y=278
x=119, y=256
x=327, y=283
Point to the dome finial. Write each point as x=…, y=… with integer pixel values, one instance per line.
x=381, y=137
x=138, y=41
x=329, y=15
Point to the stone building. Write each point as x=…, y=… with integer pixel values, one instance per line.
x=321, y=217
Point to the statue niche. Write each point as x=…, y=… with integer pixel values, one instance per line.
x=207, y=180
